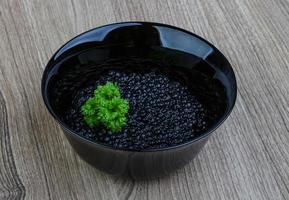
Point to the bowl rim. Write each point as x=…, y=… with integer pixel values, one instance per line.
x=203, y=135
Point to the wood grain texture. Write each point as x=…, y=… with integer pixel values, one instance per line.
x=247, y=158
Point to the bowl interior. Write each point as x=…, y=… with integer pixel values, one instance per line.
x=139, y=46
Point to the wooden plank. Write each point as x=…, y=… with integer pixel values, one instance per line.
x=247, y=158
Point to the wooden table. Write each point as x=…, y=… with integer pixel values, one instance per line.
x=247, y=158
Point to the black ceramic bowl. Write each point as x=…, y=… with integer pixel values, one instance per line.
x=145, y=41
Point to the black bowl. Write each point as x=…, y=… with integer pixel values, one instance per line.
x=145, y=41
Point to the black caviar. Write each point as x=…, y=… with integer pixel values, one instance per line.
x=163, y=112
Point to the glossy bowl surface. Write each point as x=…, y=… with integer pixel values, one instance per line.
x=141, y=40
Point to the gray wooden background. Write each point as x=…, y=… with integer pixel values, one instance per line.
x=248, y=157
